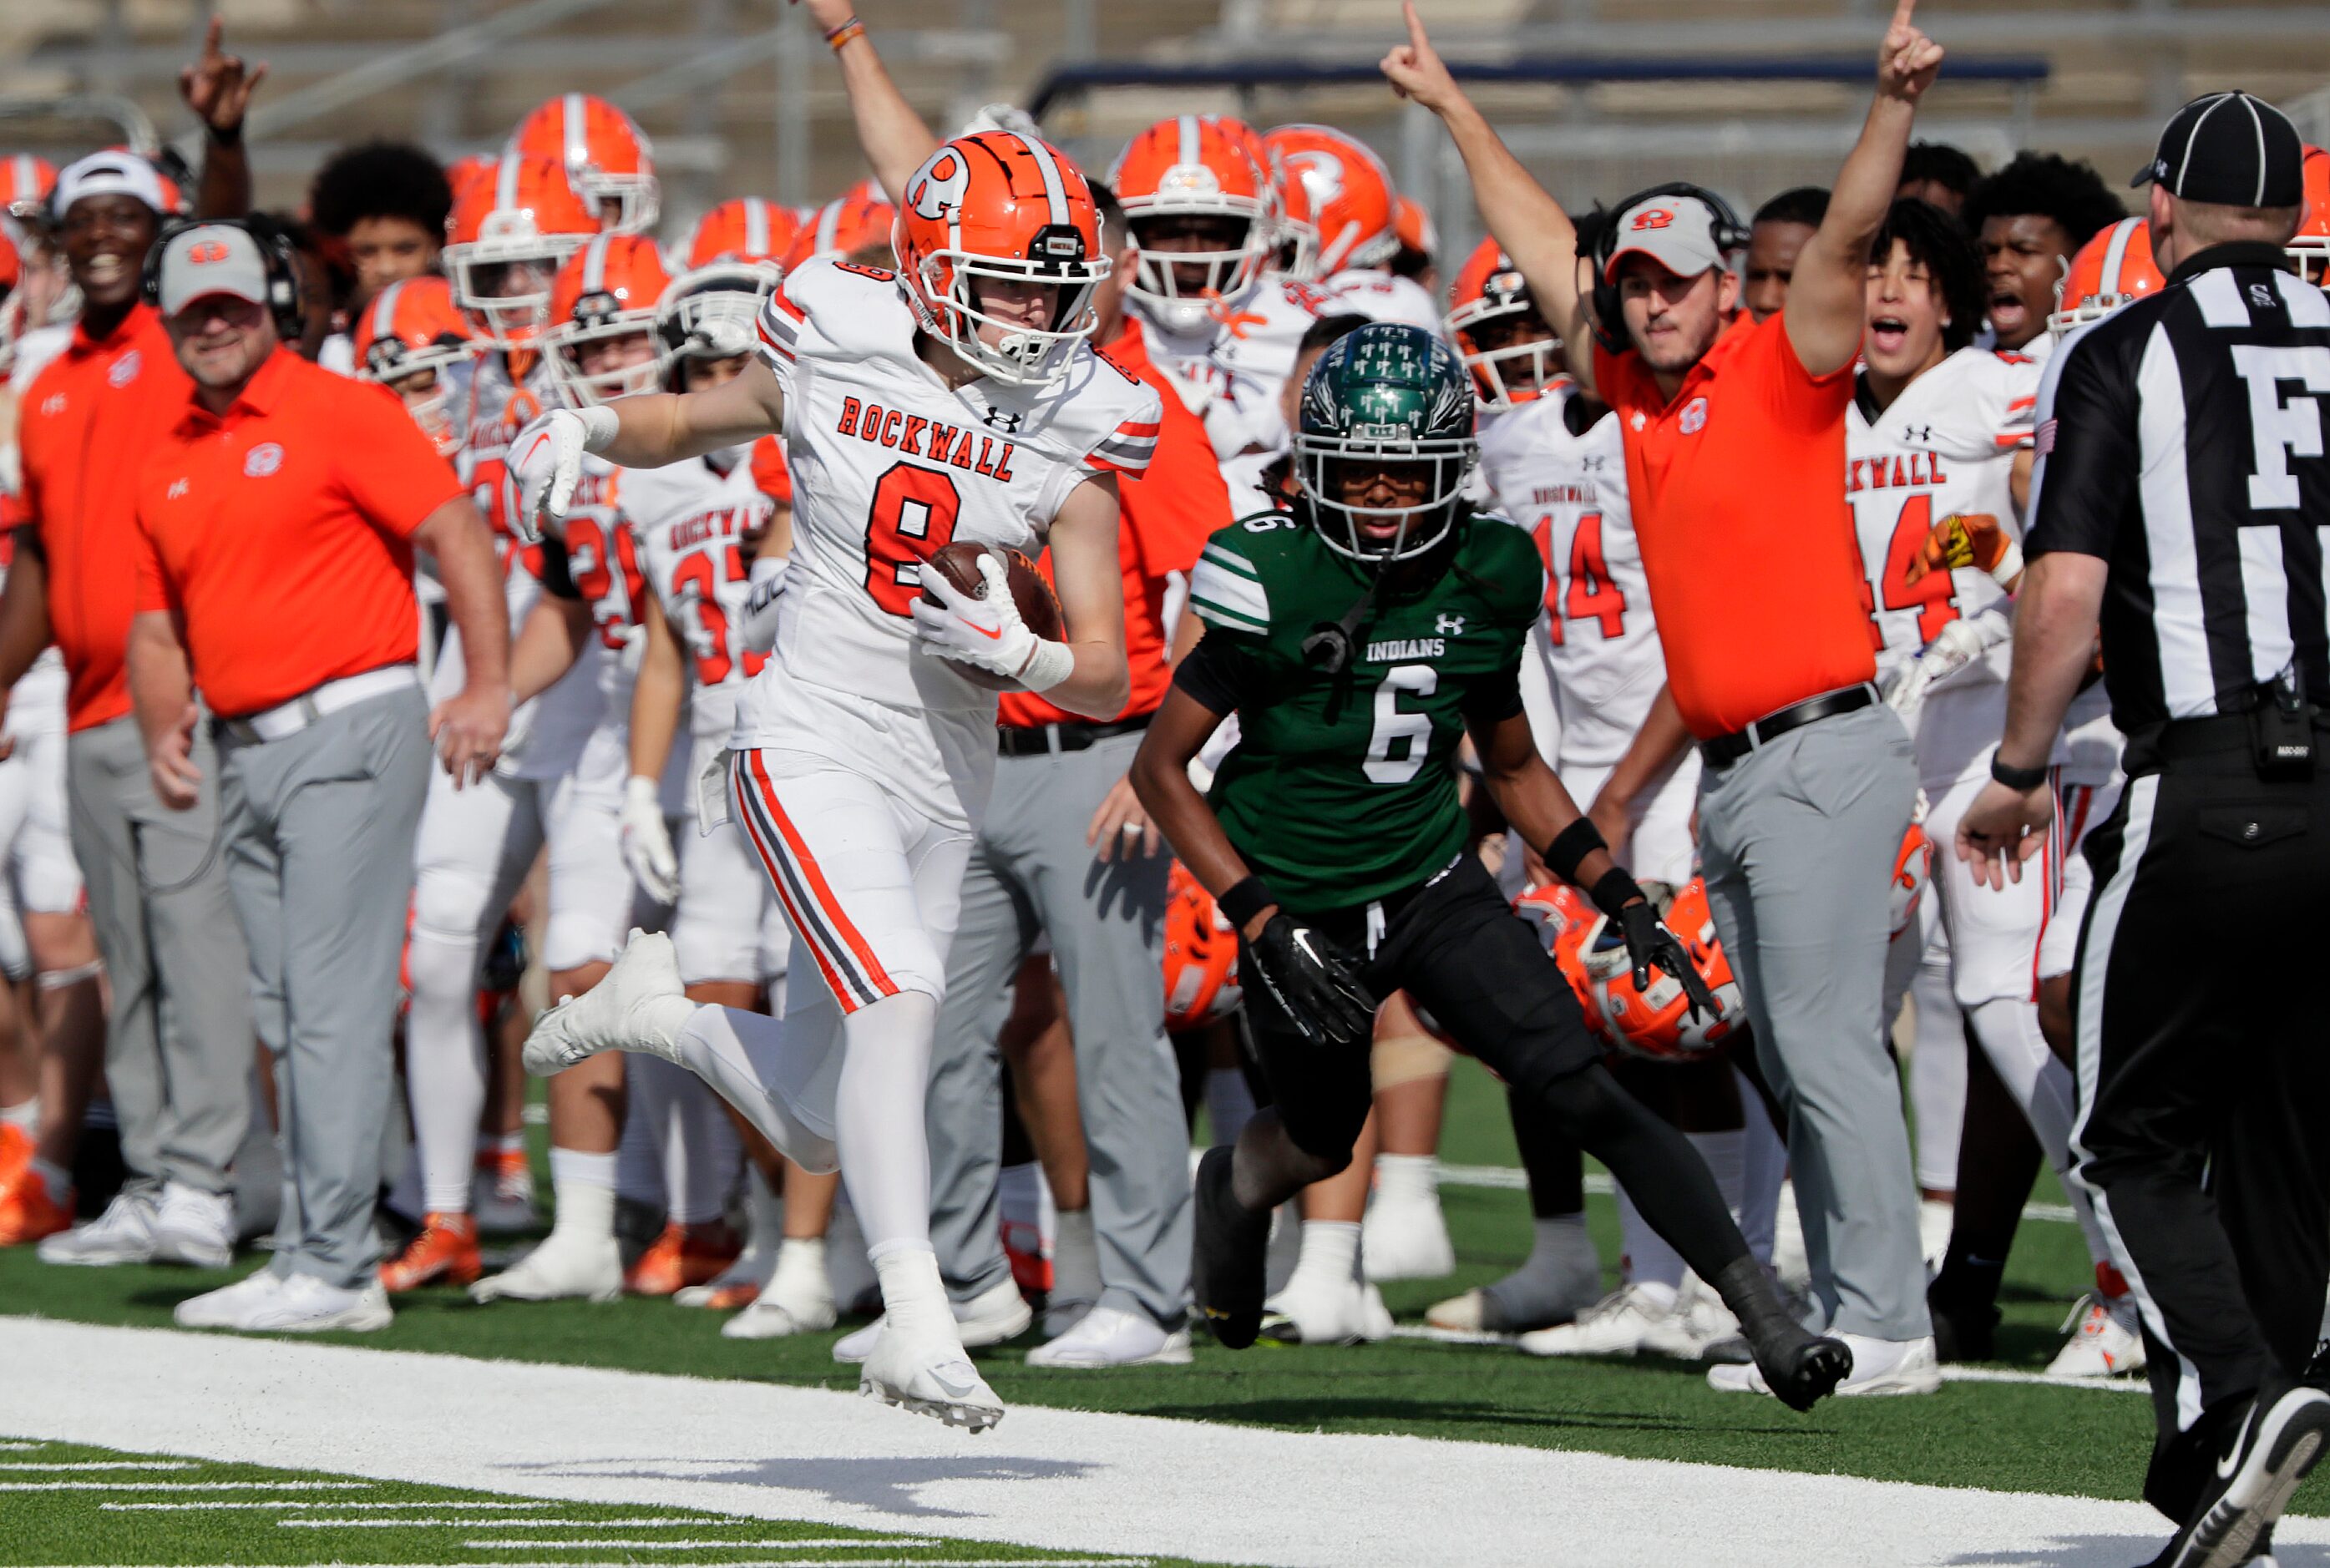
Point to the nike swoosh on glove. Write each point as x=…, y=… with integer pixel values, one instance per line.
x=987, y=632
x=545, y=461
x=646, y=841
x=1648, y=944
x=1308, y=979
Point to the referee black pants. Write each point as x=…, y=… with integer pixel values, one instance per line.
x=2204, y=1078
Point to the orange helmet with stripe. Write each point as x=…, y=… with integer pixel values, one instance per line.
x=747, y=229
x=858, y=217
x=1569, y=925
x=1493, y=322
x=1656, y=1020
x=1351, y=204
x=1008, y=209
x=2111, y=268
x=26, y=183
x=1200, y=955
x=1201, y=210
x=608, y=289
x=606, y=155
x=413, y=330
x=2310, y=246
x=1413, y=227
x=509, y=234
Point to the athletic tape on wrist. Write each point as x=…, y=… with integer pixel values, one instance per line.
x=1049, y=665
x=600, y=425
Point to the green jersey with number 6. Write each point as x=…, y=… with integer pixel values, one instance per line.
x=1342, y=788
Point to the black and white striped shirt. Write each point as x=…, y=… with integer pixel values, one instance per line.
x=2180, y=440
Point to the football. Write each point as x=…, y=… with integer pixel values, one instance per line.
x=1038, y=606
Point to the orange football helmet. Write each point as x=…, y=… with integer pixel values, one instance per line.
x=747, y=229
x=509, y=235
x=2111, y=268
x=1413, y=227
x=856, y=218
x=708, y=311
x=1569, y=925
x=606, y=155
x=608, y=289
x=1656, y=1021
x=2310, y=247
x=1351, y=207
x=1010, y=209
x=1200, y=955
x=1490, y=304
x=1194, y=168
x=413, y=329
x=26, y=183
x=1913, y=868
x=12, y=266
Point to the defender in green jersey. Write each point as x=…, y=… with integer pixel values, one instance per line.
x=1359, y=637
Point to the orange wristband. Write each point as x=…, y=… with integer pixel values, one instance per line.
x=853, y=28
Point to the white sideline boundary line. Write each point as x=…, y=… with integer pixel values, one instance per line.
x=315, y=1523
x=322, y=1503
x=1087, y=1483
x=1512, y=1178
x=184, y=1486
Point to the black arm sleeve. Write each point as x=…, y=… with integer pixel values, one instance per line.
x=557, y=571
x=2083, y=484
x=1217, y=675
x=1493, y=699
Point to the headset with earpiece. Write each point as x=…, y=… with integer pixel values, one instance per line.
x=1609, y=323
x=276, y=256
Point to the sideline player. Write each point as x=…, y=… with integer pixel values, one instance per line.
x=1359, y=637
x=863, y=758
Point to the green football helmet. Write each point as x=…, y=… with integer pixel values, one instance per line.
x=1385, y=391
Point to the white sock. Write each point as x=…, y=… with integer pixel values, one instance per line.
x=800, y=1272
x=1075, y=1258
x=54, y=1178
x=583, y=1187
x=744, y=1056
x=25, y=1116
x=1331, y=1253
x=1229, y=1104
x=444, y=1066
x=1407, y=1178
x=880, y=1122
x=914, y=1298
x=1763, y=1166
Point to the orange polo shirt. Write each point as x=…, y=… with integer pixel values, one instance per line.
x=85, y=424
x=1738, y=498
x=1165, y=518
x=282, y=530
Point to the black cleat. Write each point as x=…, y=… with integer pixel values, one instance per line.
x=1231, y=1260
x=1800, y=1367
x=2279, y=1438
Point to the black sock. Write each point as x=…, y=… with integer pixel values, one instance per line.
x=1661, y=1172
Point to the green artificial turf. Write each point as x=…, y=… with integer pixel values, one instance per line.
x=175, y=1512
x=2012, y=1437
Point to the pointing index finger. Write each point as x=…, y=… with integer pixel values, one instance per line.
x=1416, y=35
x=1902, y=12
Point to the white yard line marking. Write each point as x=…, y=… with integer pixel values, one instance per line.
x=1512, y=1178
x=325, y=1503
x=761, y=1562
x=2000, y=1375
x=610, y=1544
x=1083, y=1482
x=7, y=1465
x=19, y=1448
x=311, y=1523
x=189, y=1487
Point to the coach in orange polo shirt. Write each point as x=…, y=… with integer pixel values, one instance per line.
x=277, y=517
x=1735, y=454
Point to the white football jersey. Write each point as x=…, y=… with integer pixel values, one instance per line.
x=1597, y=640
x=1381, y=296
x=1262, y=335
x=691, y=521
x=889, y=464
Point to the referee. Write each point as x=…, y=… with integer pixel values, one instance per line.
x=2181, y=502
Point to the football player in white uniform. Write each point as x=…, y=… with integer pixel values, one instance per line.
x=1939, y=430
x=957, y=402
x=710, y=530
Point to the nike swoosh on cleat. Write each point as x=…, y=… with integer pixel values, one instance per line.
x=954, y=1390
x=2232, y=1461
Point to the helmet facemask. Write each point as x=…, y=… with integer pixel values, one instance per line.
x=1022, y=355
x=1515, y=371
x=598, y=319
x=479, y=271
x=709, y=312
x=1228, y=271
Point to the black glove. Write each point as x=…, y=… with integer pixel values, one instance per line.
x=1650, y=943
x=1303, y=975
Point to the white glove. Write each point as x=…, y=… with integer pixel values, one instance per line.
x=761, y=608
x=987, y=632
x=725, y=337
x=647, y=842
x=545, y=459
x=1958, y=645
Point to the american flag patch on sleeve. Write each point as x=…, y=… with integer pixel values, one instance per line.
x=2043, y=442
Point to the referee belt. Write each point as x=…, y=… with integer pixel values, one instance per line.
x=288, y=719
x=2152, y=747
x=1050, y=740
x=1722, y=750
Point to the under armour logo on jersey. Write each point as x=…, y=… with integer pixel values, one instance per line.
x=1449, y=624
x=1917, y=435
x=1593, y=462
x=1003, y=420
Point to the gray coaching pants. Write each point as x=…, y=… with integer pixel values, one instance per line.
x=1797, y=841
x=320, y=830
x=178, y=1045
x=1031, y=871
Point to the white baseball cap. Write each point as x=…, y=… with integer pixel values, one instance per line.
x=109, y=173
x=211, y=259
x=1676, y=231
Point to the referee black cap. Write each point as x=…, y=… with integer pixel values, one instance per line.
x=2232, y=150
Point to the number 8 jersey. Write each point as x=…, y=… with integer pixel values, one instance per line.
x=889, y=465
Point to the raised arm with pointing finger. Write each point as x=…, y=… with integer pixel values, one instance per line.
x=895, y=139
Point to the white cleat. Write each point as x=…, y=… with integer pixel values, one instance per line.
x=1112, y=1337
x=563, y=1269
x=796, y=1298
x=930, y=1375
x=1879, y=1366
x=640, y=1006
x=123, y=1233
x=1312, y=1310
x=995, y=1315
x=1700, y=1322
x=193, y=1227
x=1406, y=1239
x=2106, y=1343
x=1623, y=1323
x=270, y=1303
x=228, y=1305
